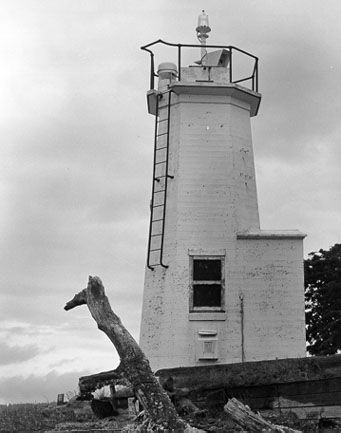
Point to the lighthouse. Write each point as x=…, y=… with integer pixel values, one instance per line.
x=217, y=289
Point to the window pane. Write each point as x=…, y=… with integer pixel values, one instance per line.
x=206, y=295
x=205, y=270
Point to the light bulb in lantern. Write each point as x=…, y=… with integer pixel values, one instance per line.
x=203, y=25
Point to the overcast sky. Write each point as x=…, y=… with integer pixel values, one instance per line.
x=76, y=158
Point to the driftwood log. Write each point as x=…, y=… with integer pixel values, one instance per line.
x=250, y=421
x=88, y=384
x=134, y=366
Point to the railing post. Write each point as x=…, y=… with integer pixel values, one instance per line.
x=152, y=72
x=256, y=75
x=230, y=65
x=179, y=62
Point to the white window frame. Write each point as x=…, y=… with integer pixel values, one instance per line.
x=194, y=309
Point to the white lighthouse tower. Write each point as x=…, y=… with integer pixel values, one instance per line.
x=218, y=289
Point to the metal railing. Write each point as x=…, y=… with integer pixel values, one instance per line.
x=253, y=78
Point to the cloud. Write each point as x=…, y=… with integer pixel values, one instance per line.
x=12, y=329
x=61, y=362
x=299, y=98
x=63, y=347
x=301, y=196
x=19, y=389
x=17, y=354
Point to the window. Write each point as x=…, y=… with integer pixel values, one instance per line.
x=207, y=283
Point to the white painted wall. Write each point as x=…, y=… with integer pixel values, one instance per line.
x=211, y=199
x=269, y=274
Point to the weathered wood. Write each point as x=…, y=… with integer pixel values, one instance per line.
x=310, y=394
x=92, y=382
x=134, y=365
x=254, y=373
x=312, y=412
x=250, y=421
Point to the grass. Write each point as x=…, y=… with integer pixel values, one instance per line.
x=42, y=417
x=34, y=417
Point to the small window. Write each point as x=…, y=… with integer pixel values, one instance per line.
x=207, y=284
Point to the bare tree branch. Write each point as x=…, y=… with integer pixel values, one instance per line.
x=79, y=299
x=134, y=365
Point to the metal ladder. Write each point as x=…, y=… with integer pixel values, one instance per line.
x=159, y=186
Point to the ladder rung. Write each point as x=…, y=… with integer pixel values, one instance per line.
x=160, y=219
x=161, y=162
x=159, y=234
x=158, y=205
x=158, y=249
x=162, y=120
x=160, y=148
x=161, y=177
x=164, y=133
x=161, y=190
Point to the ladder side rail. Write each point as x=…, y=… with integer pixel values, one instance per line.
x=153, y=184
x=166, y=180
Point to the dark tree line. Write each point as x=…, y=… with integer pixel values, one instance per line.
x=322, y=273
